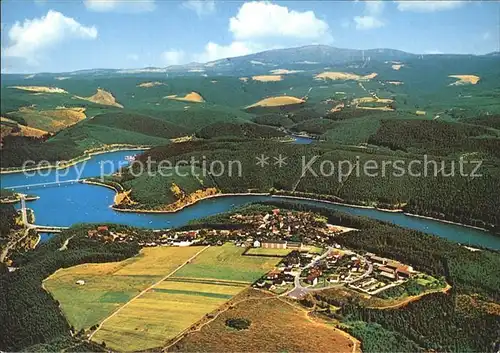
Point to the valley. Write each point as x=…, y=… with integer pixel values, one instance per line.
x=226, y=206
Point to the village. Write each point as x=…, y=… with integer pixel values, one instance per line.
x=311, y=258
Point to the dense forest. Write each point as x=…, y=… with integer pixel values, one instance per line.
x=29, y=315
x=247, y=130
x=435, y=323
x=437, y=138
x=465, y=199
x=7, y=218
x=17, y=150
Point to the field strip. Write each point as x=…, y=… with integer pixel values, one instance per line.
x=147, y=289
x=209, y=281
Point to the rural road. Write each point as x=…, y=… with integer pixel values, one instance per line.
x=147, y=289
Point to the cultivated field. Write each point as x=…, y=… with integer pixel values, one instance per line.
x=275, y=327
x=109, y=285
x=175, y=304
x=164, y=312
x=226, y=263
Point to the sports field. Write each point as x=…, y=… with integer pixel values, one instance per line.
x=110, y=285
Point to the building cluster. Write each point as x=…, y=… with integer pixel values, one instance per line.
x=304, y=270
x=338, y=266
x=146, y=238
x=390, y=268
x=286, y=271
x=288, y=228
x=386, y=273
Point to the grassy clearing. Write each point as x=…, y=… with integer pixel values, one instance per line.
x=40, y=89
x=465, y=79
x=267, y=78
x=102, y=97
x=110, y=285
x=193, y=97
x=49, y=120
x=275, y=327
x=269, y=252
x=343, y=76
x=227, y=263
x=277, y=101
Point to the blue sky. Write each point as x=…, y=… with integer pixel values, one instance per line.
x=56, y=36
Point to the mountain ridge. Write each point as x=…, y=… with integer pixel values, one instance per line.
x=304, y=55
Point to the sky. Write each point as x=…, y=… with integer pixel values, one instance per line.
x=67, y=35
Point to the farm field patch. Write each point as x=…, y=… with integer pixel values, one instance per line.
x=170, y=308
x=227, y=263
x=109, y=285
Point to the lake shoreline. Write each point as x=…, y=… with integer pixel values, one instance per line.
x=446, y=221
x=85, y=157
x=146, y=211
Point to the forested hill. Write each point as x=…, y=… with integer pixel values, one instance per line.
x=461, y=199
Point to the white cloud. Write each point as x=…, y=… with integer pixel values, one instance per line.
x=124, y=6
x=258, y=20
x=174, y=57
x=214, y=51
x=371, y=18
x=29, y=39
x=428, y=5
x=201, y=7
x=259, y=26
x=367, y=22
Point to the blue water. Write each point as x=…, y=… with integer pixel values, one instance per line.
x=77, y=203
x=302, y=140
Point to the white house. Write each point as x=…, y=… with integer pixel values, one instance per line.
x=256, y=244
x=80, y=282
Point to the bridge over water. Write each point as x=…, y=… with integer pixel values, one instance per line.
x=42, y=185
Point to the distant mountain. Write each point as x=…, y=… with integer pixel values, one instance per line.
x=306, y=57
x=314, y=54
